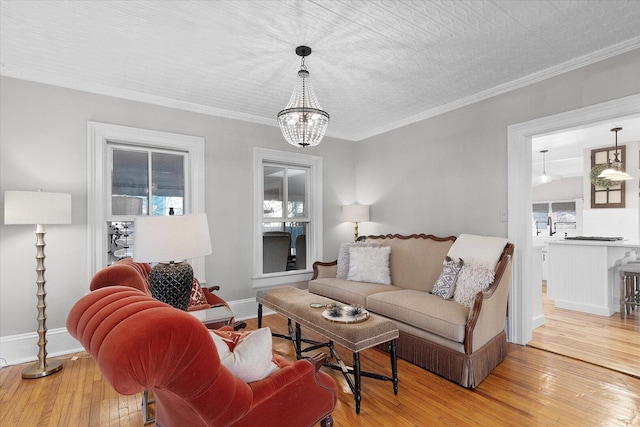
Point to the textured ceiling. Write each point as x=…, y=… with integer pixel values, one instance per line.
x=376, y=65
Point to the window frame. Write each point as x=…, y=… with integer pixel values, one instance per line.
x=99, y=137
x=313, y=164
x=620, y=189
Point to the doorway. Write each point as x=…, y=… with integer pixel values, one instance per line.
x=523, y=291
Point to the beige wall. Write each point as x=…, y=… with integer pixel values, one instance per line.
x=448, y=174
x=43, y=140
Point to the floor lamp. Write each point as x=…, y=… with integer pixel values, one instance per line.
x=355, y=214
x=39, y=208
x=170, y=241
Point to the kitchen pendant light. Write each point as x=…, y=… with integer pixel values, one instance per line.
x=614, y=171
x=303, y=122
x=545, y=177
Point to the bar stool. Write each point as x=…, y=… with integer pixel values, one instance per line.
x=629, y=288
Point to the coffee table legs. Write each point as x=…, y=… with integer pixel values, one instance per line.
x=355, y=383
x=353, y=375
x=295, y=335
x=357, y=393
x=394, y=366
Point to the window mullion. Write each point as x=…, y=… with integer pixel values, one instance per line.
x=149, y=183
x=285, y=195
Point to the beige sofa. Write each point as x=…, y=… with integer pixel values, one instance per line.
x=452, y=340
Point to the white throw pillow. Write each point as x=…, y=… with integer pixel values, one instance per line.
x=472, y=279
x=343, y=257
x=251, y=358
x=370, y=264
x=479, y=249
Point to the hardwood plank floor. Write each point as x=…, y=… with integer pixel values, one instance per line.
x=611, y=342
x=530, y=388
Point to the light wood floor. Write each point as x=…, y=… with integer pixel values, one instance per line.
x=611, y=342
x=530, y=388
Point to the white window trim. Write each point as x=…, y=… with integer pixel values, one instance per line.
x=98, y=136
x=314, y=164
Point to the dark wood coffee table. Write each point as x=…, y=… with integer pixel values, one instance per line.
x=295, y=304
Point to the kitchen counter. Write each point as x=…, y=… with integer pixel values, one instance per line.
x=616, y=243
x=583, y=274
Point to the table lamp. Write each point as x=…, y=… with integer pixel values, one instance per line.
x=39, y=208
x=355, y=213
x=169, y=241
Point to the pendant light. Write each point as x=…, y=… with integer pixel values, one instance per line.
x=303, y=122
x=545, y=177
x=614, y=171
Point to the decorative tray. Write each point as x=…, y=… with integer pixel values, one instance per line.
x=345, y=314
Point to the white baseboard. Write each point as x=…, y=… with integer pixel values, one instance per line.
x=585, y=308
x=537, y=321
x=23, y=348
x=247, y=309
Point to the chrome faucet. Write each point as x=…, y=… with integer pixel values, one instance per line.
x=550, y=226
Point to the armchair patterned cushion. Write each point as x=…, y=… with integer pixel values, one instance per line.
x=139, y=342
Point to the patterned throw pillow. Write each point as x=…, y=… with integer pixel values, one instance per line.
x=370, y=264
x=446, y=283
x=343, y=256
x=197, y=296
x=472, y=279
x=248, y=355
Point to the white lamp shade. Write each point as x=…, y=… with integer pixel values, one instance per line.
x=614, y=175
x=170, y=238
x=124, y=205
x=36, y=207
x=355, y=213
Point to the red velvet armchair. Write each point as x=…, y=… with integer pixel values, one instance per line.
x=139, y=342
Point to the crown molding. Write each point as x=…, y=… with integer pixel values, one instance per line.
x=536, y=77
x=45, y=77
x=61, y=81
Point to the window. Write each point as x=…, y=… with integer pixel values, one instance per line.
x=553, y=217
x=143, y=181
x=139, y=172
x=607, y=197
x=287, y=216
x=285, y=208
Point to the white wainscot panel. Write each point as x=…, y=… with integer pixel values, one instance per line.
x=584, y=277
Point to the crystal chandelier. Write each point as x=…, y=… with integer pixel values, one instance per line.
x=614, y=170
x=303, y=122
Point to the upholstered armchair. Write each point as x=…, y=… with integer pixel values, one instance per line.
x=139, y=342
x=127, y=272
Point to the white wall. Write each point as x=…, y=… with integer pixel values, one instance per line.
x=43, y=132
x=562, y=189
